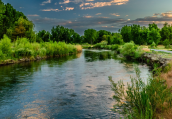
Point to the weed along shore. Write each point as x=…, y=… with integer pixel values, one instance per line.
x=137, y=99
x=23, y=51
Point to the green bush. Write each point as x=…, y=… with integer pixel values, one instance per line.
x=153, y=45
x=166, y=43
x=139, y=100
x=115, y=47
x=5, y=47
x=128, y=49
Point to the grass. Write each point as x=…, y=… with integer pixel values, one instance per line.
x=22, y=48
x=138, y=100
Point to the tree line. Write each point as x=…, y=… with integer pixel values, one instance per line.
x=16, y=25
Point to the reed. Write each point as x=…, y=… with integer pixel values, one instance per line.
x=138, y=100
x=23, y=48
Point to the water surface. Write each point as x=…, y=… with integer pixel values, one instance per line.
x=70, y=87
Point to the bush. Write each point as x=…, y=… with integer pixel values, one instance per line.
x=139, y=100
x=128, y=49
x=115, y=47
x=166, y=43
x=5, y=47
x=153, y=45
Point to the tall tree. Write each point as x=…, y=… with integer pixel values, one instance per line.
x=90, y=35
x=153, y=36
x=2, y=11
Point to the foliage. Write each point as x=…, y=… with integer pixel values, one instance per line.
x=139, y=100
x=166, y=43
x=90, y=35
x=101, y=45
x=153, y=45
x=5, y=47
x=153, y=36
x=129, y=50
x=22, y=47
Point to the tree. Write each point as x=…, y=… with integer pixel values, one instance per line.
x=166, y=32
x=9, y=19
x=116, y=39
x=100, y=34
x=135, y=34
x=126, y=33
x=44, y=36
x=151, y=26
x=2, y=11
x=24, y=28
x=153, y=36
x=90, y=35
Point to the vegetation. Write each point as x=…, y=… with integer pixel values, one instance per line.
x=23, y=48
x=139, y=100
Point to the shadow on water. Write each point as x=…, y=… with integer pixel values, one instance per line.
x=68, y=87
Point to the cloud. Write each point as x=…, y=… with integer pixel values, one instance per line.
x=115, y=14
x=56, y=10
x=98, y=13
x=69, y=8
x=68, y=1
x=45, y=2
x=157, y=18
x=126, y=15
x=167, y=14
x=89, y=0
x=91, y=5
x=80, y=24
x=34, y=15
x=88, y=16
x=156, y=14
x=21, y=7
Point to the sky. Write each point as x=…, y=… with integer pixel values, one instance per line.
x=80, y=15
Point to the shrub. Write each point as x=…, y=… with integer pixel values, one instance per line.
x=166, y=43
x=139, y=100
x=153, y=45
x=5, y=46
x=128, y=49
x=115, y=47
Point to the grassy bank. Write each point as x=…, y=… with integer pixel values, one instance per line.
x=140, y=100
x=22, y=48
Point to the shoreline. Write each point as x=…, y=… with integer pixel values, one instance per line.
x=29, y=59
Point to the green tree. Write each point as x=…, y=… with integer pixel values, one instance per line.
x=153, y=36
x=2, y=11
x=90, y=35
x=126, y=33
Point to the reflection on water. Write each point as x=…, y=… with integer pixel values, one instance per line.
x=74, y=86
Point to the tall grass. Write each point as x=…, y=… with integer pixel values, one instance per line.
x=138, y=100
x=23, y=48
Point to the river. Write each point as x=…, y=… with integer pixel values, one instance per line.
x=71, y=87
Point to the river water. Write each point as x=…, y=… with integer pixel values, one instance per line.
x=71, y=87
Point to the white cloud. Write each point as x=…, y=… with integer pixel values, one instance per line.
x=51, y=10
x=98, y=13
x=88, y=16
x=115, y=14
x=45, y=2
x=68, y=1
x=91, y=5
x=69, y=8
x=34, y=15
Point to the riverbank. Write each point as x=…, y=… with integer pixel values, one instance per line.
x=24, y=51
x=137, y=99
